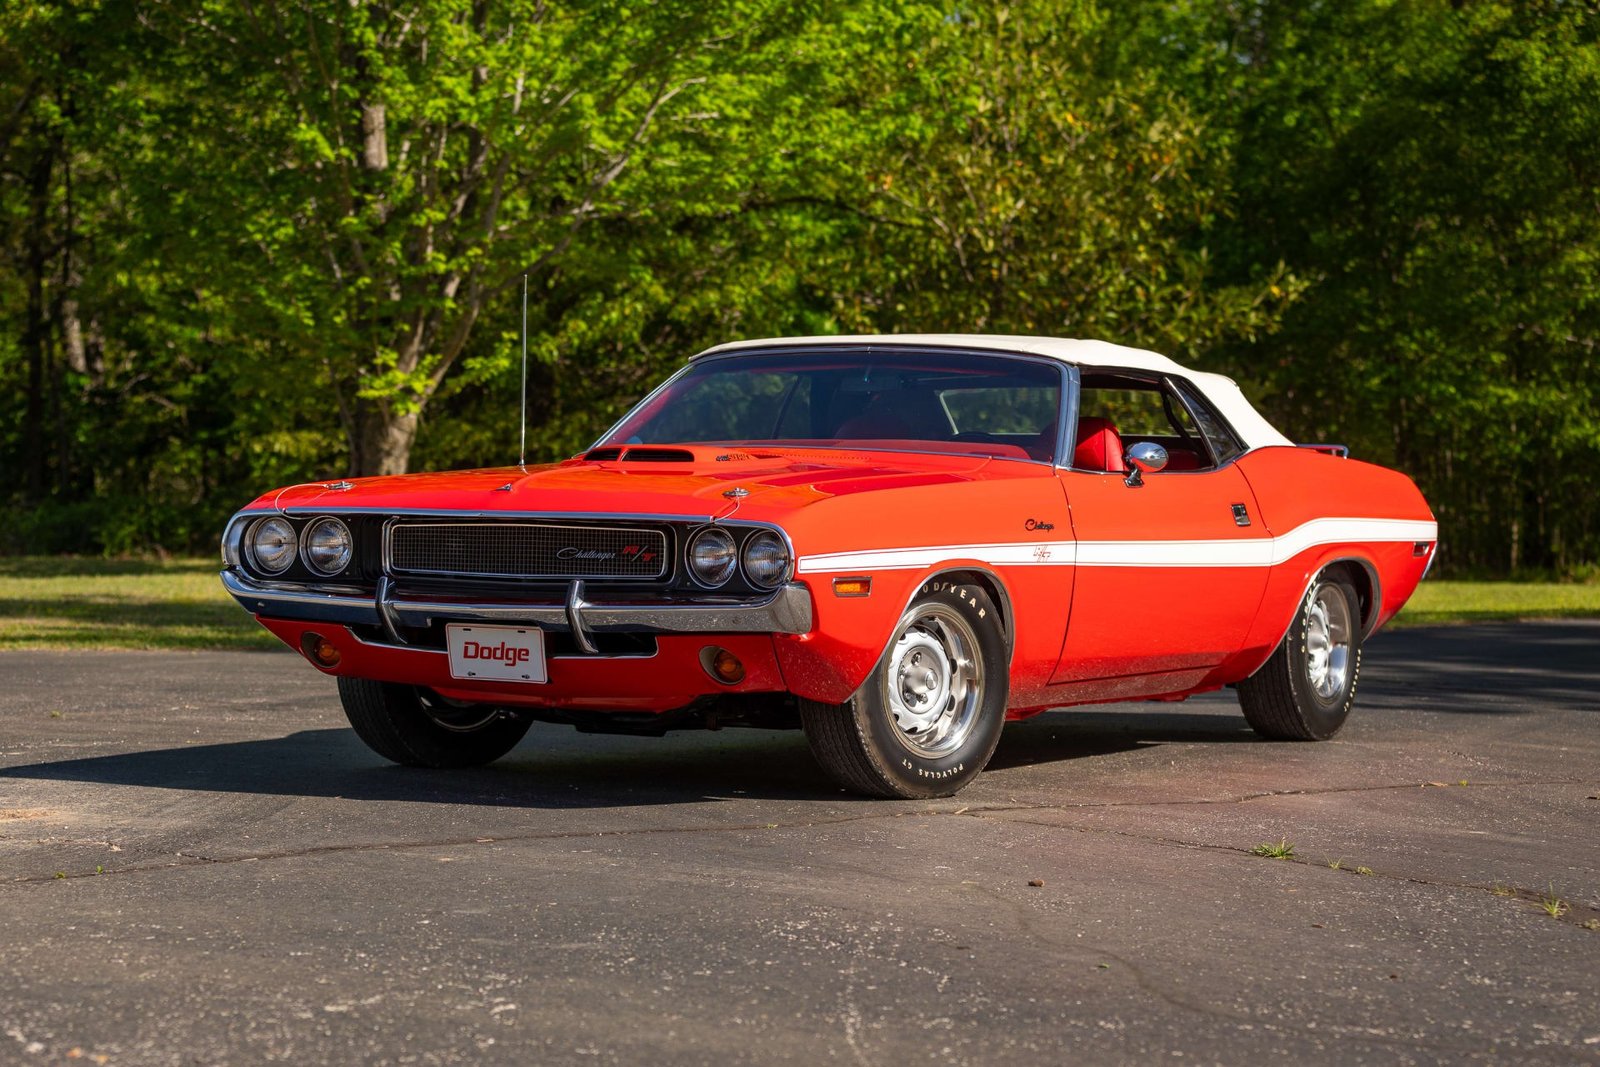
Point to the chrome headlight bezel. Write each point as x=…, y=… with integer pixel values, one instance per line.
x=728, y=566
x=309, y=548
x=288, y=543
x=765, y=540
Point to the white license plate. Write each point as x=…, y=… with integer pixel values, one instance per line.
x=496, y=653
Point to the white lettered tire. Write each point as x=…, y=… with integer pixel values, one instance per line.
x=1305, y=690
x=928, y=717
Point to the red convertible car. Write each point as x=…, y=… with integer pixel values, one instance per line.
x=897, y=543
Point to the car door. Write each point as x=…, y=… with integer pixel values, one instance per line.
x=1170, y=570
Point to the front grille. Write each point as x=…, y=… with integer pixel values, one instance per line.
x=527, y=550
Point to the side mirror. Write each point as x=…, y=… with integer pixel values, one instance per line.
x=1142, y=458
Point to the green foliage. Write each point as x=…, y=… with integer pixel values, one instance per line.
x=78, y=603
x=1432, y=171
x=250, y=244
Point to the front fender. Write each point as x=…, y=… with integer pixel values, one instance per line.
x=851, y=632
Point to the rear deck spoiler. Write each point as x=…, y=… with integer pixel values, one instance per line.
x=1342, y=451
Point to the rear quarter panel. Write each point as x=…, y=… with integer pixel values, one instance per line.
x=1321, y=509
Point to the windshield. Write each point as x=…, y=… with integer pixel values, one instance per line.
x=944, y=402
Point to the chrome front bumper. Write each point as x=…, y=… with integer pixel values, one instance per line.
x=786, y=611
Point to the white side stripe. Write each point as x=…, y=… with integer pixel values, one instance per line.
x=1025, y=554
x=1238, y=552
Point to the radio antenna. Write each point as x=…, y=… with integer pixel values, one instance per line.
x=522, y=451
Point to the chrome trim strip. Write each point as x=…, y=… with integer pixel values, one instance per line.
x=787, y=610
x=319, y=603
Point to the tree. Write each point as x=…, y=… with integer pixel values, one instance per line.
x=373, y=175
x=1432, y=171
x=1021, y=177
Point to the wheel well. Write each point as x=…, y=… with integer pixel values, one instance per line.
x=997, y=593
x=1364, y=577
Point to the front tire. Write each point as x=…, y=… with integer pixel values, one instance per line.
x=928, y=717
x=415, y=729
x=1305, y=690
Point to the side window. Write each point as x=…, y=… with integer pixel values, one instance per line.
x=1135, y=409
x=1138, y=407
x=1224, y=444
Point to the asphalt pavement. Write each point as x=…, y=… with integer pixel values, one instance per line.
x=200, y=864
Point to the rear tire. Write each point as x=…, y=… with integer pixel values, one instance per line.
x=1305, y=690
x=928, y=717
x=410, y=727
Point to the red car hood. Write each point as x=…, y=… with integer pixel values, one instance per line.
x=689, y=481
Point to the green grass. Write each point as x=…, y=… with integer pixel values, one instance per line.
x=48, y=602
x=1283, y=850
x=96, y=603
x=1446, y=602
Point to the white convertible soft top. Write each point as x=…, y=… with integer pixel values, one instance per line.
x=1256, y=431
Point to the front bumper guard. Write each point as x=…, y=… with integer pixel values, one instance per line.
x=785, y=611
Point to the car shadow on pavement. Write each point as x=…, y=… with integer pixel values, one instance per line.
x=1078, y=733
x=558, y=768
x=602, y=772
x=1495, y=669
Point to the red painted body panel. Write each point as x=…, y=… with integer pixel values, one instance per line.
x=1082, y=629
x=956, y=521
x=1296, y=486
x=781, y=480
x=670, y=679
x=1144, y=618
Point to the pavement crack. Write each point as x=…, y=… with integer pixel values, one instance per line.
x=1579, y=915
x=195, y=859
x=1335, y=790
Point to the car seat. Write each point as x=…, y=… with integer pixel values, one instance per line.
x=1099, y=446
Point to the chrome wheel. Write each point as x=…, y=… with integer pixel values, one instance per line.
x=1328, y=641
x=934, y=681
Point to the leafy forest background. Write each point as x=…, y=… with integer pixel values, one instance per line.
x=251, y=242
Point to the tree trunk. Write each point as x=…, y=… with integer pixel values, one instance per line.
x=381, y=440
x=36, y=333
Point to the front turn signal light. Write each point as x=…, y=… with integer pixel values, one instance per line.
x=722, y=665
x=320, y=650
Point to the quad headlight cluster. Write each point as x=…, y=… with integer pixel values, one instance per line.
x=714, y=557
x=324, y=546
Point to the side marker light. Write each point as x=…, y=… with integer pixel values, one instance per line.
x=852, y=586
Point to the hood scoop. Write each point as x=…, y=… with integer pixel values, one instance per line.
x=639, y=454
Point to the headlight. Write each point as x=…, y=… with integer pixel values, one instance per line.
x=272, y=545
x=766, y=559
x=328, y=546
x=712, y=557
